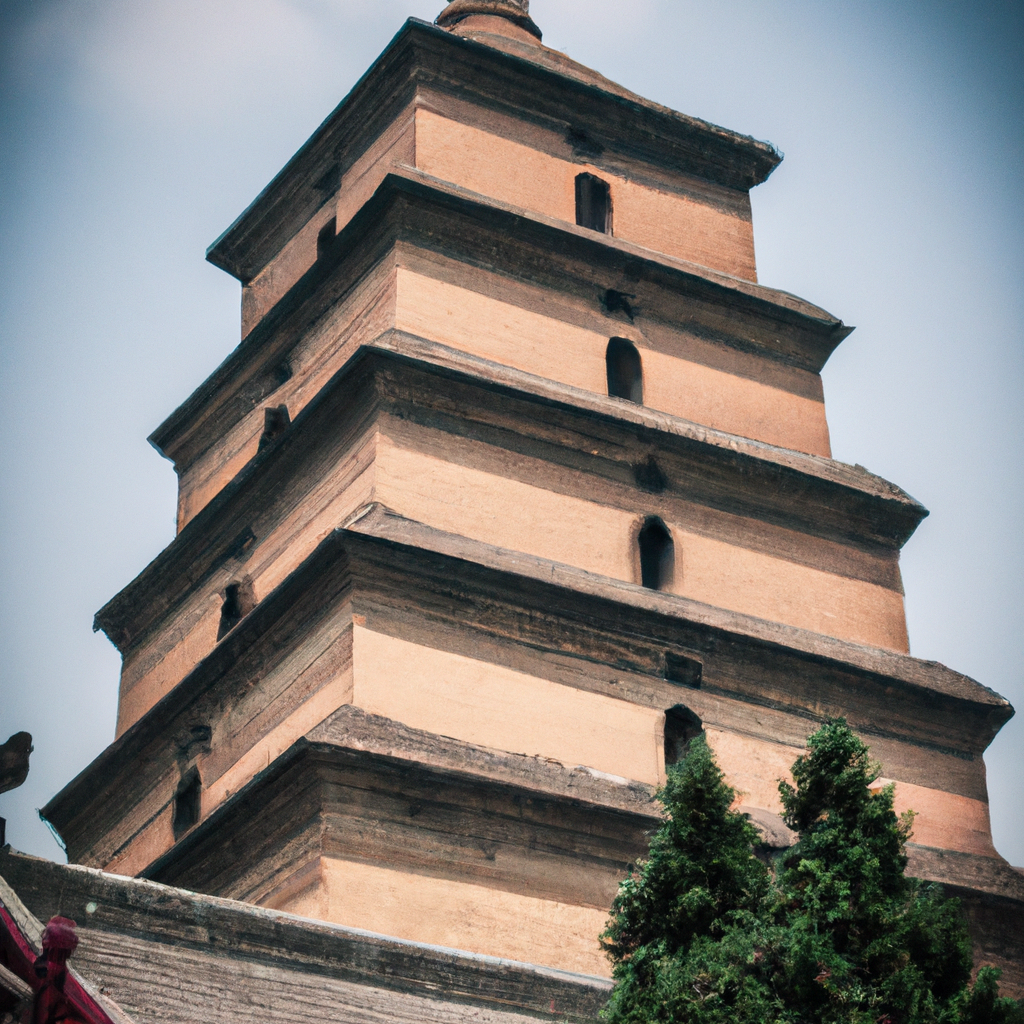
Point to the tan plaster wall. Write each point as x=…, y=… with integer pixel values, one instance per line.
x=946, y=821
x=504, y=162
x=146, y=676
x=156, y=837
x=268, y=747
x=565, y=352
x=523, y=176
x=493, y=706
x=159, y=664
x=154, y=840
x=302, y=892
x=540, y=342
x=323, y=349
x=261, y=293
x=751, y=582
x=265, y=720
x=537, y=343
x=458, y=915
x=394, y=147
x=737, y=405
x=490, y=705
x=598, y=538
x=753, y=767
x=492, y=502
x=295, y=537
x=203, y=481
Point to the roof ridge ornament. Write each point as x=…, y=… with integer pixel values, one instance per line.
x=516, y=11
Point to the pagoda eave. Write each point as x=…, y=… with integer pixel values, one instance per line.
x=761, y=678
x=556, y=91
x=418, y=381
x=411, y=208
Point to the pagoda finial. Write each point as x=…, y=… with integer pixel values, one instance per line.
x=515, y=11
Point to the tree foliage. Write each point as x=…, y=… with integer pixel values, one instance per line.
x=835, y=933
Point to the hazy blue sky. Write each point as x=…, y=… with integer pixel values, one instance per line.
x=132, y=132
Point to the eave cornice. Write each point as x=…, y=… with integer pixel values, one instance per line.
x=543, y=84
x=806, y=674
x=400, y=371
x=406, y=205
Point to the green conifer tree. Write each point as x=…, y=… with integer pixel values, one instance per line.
x=704, y=933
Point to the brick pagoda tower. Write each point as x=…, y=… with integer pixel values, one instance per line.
x=517, y=480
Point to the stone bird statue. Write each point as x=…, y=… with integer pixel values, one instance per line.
x=14, y=761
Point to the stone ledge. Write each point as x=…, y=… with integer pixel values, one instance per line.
x=983, y=874
x=352, y=728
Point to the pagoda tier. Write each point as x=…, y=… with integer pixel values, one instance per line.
x=496, y=455
x=518, y=481
x=510, y=286
x=515, y=122
x=418, y=724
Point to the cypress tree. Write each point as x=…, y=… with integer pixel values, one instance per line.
x=704, y=933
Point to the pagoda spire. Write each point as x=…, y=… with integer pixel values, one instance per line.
x=515, y=11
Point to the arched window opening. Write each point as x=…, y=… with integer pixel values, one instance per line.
x=188, y=802
x=625, y=371
x=593, y=203
x=239, y=600
x=657, y=554
x=681, y=726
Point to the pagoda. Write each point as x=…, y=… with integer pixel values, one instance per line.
x=517, y=481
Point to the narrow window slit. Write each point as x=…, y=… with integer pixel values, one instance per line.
x=657, y=554
x=188, y=803
x=593, y=204
x=275, y=422
x=682, y=726
x=625, y=371
x=325, y=239
x=239, y=600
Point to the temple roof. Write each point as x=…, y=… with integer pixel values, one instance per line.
x=175, y=956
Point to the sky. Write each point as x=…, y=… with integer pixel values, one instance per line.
x=133, y=132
